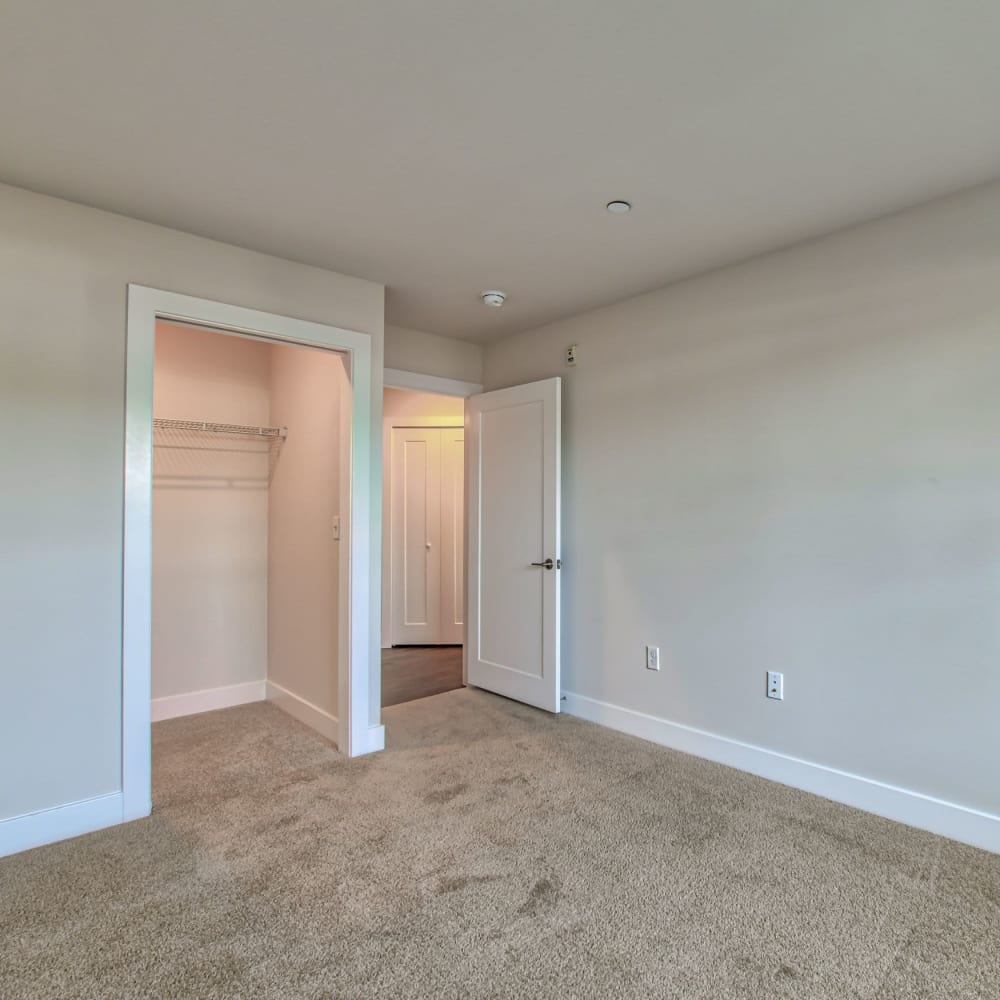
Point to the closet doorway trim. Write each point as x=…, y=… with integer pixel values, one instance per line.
x=357, y=733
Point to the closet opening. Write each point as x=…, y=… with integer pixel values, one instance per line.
x=423, y=544
x=250, y=509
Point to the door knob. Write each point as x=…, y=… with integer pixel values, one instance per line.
x=548, y=564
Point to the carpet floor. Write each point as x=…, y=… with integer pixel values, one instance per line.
x=491, y=852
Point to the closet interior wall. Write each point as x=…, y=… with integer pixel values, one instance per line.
x=210, y=513
x=310, y=395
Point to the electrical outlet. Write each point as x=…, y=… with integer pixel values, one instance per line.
x=652, y=657
x=571, y=355
x=775, y=685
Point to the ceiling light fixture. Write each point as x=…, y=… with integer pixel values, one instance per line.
x=494, y=299
x=618, y=207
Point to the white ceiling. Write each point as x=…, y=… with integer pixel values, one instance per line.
x=449, y=146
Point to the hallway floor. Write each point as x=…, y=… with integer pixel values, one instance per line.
x=411, y=672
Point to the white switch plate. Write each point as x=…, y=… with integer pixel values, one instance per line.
x=652, y=657
x=775, y=685
x=571, y=355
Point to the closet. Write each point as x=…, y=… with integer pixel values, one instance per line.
x=427, y=533
x=249, y=484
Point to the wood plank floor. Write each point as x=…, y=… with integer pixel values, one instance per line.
x=411, y=672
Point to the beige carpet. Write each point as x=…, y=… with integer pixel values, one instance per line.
x=492, y=852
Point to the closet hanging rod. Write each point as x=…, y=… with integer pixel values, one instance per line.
x=207, y=427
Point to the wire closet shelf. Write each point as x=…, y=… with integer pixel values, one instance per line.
x=202, y=435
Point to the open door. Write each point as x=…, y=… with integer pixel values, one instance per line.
x=512, y=469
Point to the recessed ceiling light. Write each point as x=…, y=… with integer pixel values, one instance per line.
x=619, y=207
x=494, y=299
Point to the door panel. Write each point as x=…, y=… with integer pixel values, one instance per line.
x=416, y=521
x=513, y=590
x=452, y=534
x=512, y=463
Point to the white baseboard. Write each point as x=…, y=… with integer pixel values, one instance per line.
x=376, y=739
x=305, y=711
x=20, y=833
x=206, y=701
x=948, y=819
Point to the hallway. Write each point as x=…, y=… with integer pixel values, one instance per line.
x=411, y=672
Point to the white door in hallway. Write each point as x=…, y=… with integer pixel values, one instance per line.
x=513, y=470
x=427, y=553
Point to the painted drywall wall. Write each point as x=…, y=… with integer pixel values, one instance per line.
x=64, y=271
x=307, y=390
x=794, y=464
x=406, y=408
x=429, y=354
x=417, y=408
x=209, y=514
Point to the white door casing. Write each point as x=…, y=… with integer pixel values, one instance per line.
x=359, y=732
x=513, y=474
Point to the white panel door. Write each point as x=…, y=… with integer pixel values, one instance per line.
x=416, y=529
x=512, y=463
x=452, y=535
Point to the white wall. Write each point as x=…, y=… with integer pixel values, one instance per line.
x=209, y=515
x=794, y=464
x=407, y=408
x=309, y=390
x=429, y=354
x=64, y=271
